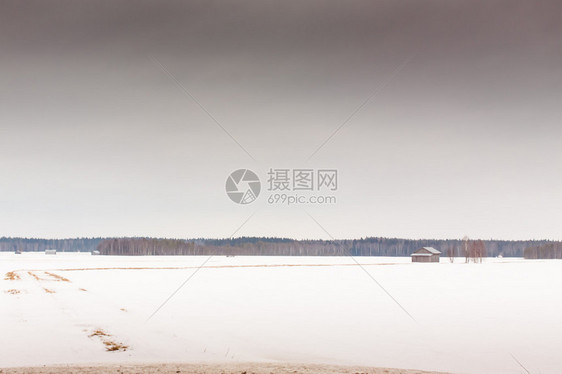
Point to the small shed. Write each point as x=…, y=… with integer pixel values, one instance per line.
x=426, y=254
x=50, y=251
x=96, y=253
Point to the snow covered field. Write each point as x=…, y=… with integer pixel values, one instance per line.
x=468, y=318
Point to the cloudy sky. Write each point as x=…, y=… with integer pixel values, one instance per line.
x=442, y=118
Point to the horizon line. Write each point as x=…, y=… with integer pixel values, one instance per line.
x=270, y=238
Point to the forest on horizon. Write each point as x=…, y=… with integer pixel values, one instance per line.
x=252, y=246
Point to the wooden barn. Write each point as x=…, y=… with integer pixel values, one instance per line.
x=426, y=254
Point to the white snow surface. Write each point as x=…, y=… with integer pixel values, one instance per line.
x=467, y=318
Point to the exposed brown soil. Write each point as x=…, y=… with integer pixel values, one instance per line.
x=230, y=368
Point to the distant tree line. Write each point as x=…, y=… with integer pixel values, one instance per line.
x=450, y=247
x=266, y=246
x=145, y=247
x=240, y=247
x=551, y=250
x=61, y=245
x=473, y=250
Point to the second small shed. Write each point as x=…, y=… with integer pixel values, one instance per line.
x=426, y=254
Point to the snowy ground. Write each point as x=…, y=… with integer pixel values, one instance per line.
x=467, y=318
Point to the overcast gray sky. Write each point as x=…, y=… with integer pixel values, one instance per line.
x=461, y=135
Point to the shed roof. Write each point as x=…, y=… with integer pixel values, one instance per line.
x=431, y=250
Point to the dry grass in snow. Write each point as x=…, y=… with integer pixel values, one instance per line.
x=12, y=276
x=57, y=277
x=110, y=345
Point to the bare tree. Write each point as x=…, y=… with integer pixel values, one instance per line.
x=451, y=253
x=476, y=251
x=466, y=249
x=481, y=250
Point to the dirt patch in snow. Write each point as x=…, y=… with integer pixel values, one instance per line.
x=231, y=368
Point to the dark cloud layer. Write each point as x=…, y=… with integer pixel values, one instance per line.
x=96, y=139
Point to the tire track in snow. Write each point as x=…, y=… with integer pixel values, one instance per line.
x=215, y=267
